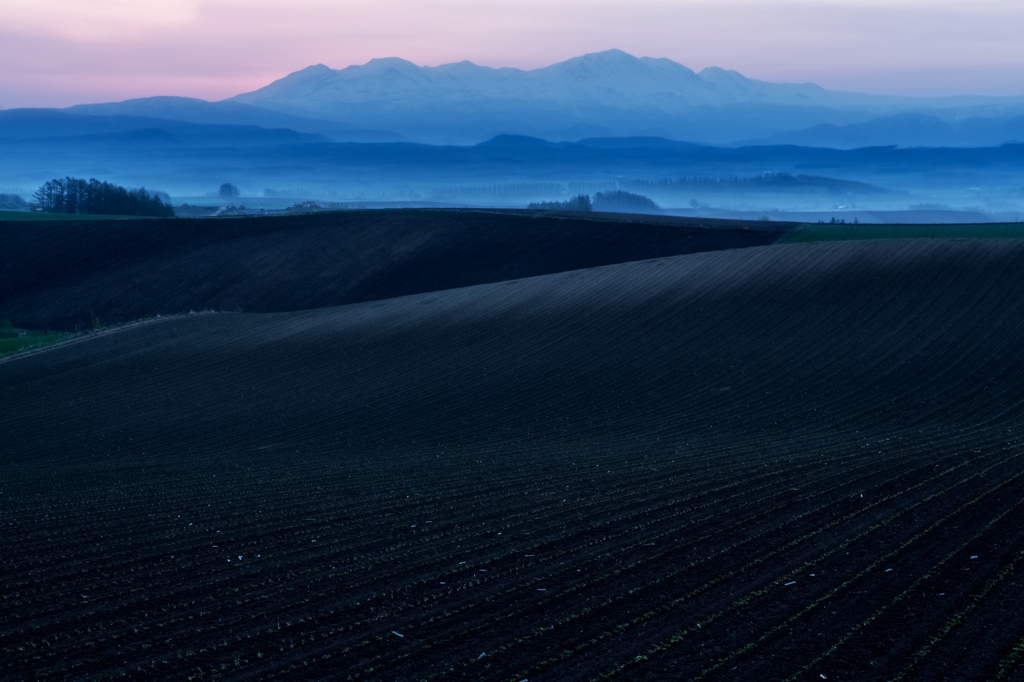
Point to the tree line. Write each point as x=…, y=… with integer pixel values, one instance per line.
x=72, y=195
x=614, y=201
x=580, y=202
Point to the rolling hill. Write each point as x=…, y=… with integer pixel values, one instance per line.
x=61, y=275
x=796, y=461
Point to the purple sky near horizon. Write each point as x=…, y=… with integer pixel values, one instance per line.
x=63, y=52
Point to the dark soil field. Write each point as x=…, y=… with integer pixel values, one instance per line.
x=786, y=462
x=65, y=274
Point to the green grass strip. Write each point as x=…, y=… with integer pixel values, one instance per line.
x=30, y=340
x=36, y=216
x=812, y=232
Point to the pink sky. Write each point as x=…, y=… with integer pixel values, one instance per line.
x=62, y=52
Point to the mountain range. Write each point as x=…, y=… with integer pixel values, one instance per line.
x=606, y=94
x=470, y=135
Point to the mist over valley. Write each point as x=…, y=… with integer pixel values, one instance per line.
x=392, y=133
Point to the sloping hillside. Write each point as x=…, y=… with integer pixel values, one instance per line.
x=787, y=462
x=61, y=275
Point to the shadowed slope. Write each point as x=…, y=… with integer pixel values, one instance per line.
x=569, y=473
x=61, y=275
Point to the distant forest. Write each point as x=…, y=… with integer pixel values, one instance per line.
x=626, y=202
x=616, y=201
x=71, y=195
x=580, y=202
x=13, y=201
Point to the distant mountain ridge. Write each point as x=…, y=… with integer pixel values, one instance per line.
x=54, y=124
x=906, y=130
x=191, y=110
x=608, y=93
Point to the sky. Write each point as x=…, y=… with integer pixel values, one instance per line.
x=64, y=52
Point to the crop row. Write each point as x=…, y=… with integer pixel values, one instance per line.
x=152, y=587
x=871, y=568
x=700, y=625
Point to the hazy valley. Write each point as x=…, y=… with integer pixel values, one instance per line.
x=463, y=135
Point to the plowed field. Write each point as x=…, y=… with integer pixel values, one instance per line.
x=65, y=275
x=784, y=462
